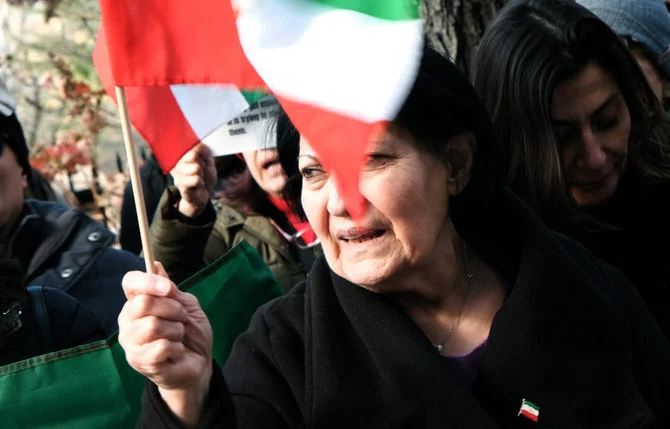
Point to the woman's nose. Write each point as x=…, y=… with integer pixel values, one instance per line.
x=335, y=203
x=592, y=153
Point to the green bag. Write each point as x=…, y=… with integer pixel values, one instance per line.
x=92, y=386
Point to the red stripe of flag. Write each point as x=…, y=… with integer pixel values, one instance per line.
x=528, y=414
x=331, y=135
x=154, y=112
x=158, y=42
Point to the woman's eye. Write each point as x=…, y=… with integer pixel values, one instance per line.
x=608, y=124
x=375, y=159
x=311, y=172
x=566, y=138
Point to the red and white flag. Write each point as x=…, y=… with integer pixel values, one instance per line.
x=341, y=70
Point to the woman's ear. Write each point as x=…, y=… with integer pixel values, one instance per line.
x=460, y=155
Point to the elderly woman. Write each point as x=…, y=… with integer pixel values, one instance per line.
x=449, y=304
x=586, y=141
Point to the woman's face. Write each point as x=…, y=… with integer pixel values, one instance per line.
x=592, y=125
x=266, y=170
x=13, y=182
x=406, y=224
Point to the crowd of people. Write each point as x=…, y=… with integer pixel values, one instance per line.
x=511, y=268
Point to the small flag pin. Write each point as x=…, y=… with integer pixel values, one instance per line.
x=529, y=410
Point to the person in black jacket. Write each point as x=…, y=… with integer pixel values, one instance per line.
x=587, y=142
x=41, y=321
x=154, y=182
x=57, y=246
x=449, y=304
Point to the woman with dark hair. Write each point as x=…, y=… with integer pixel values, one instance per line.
x=449, y=304
x=37, y=320
x=192, y=230
x=587, y=144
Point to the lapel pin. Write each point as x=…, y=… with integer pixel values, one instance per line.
x=529, y=410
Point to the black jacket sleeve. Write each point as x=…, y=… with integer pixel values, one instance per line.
x=72, y=323
x=218, y=411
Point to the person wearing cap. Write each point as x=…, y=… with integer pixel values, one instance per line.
x=57, y=246
x=645, y=26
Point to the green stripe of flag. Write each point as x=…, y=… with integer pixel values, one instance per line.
x=530, y=404
x=392, y=10
x=253, y=96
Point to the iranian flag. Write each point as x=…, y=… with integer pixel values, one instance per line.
x=341, y=69
x=530, y=410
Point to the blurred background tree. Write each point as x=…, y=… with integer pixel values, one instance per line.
x=70, y=124
x=456, y=27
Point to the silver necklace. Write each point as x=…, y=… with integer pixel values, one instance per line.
x=469, y=277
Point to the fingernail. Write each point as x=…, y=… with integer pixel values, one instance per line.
x=163, y=287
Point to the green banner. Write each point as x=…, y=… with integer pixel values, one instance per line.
x=92, y=386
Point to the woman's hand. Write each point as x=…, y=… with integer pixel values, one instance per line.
x=167, y=338
x=195, y=177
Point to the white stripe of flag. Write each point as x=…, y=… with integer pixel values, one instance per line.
x=366, y=60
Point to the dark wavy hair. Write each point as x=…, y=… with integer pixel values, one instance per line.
x=530, y=48
x=441, y=105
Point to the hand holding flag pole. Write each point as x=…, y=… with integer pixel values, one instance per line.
x=135, y=179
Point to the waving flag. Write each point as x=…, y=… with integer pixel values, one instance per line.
x=173, y=118
x=340, y=68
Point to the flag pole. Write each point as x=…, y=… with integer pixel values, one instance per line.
x=135, y=179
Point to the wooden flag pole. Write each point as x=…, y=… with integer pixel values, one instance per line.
x=135, y=179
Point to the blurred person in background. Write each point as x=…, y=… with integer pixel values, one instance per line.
x=55, y=245
x=192, y=230
x=39, y=320
x=154, y=182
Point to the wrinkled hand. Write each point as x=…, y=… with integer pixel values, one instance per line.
x=195, y=177
x=167, y=338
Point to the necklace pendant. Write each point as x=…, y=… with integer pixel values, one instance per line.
x=438, y=347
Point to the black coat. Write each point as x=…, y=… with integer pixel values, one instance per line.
x=572, y=337
x=70, y=324
x=63, y=248
x=638, y=241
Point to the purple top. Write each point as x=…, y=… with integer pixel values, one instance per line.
x=466, y=367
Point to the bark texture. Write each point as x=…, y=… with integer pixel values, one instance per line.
x=455, y=27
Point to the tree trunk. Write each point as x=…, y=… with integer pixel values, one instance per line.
x=456, y=27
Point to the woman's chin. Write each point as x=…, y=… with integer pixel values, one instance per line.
x=368, y=274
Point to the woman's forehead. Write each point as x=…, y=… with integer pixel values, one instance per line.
x=305, y=147
x=391, y=136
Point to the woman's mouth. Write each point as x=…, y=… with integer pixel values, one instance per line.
x=360, y=235
x=592, y=184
